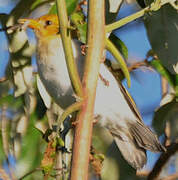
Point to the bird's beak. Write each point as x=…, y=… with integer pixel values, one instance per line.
x=31, y=23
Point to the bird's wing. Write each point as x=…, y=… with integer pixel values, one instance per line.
x=130, y=101
x=126, y=95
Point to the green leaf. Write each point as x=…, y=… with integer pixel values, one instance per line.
x=78, y=20
x=163, y=71
x=163, y=34
x=167, y=112
x=60, y=142
x=119, y=45
x=82, y=32
x=70, y=4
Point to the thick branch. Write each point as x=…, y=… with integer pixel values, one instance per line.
x=83, y=133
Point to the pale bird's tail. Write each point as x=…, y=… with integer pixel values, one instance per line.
x=134, y=144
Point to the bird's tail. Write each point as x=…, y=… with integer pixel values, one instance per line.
x=134, y=144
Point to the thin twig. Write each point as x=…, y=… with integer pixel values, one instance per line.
x=138, y=65
x=163, y=159
x=134, y=66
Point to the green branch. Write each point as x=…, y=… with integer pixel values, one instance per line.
x=114, y=51
x=73, y=108
x=153, y=7
x=66, y=40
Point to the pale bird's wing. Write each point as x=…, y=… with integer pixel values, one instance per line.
x=121, y=117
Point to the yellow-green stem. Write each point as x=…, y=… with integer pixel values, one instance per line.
x=153, y=7
x=73, y=108
x=114, y=51
x=67, y=44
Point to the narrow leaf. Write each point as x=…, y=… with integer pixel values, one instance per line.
x=113, y=50
x=119, y=45
x=163, y=71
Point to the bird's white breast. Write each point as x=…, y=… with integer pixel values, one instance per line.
x=53, y=71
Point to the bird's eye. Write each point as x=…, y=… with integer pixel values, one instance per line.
x=48, y=22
